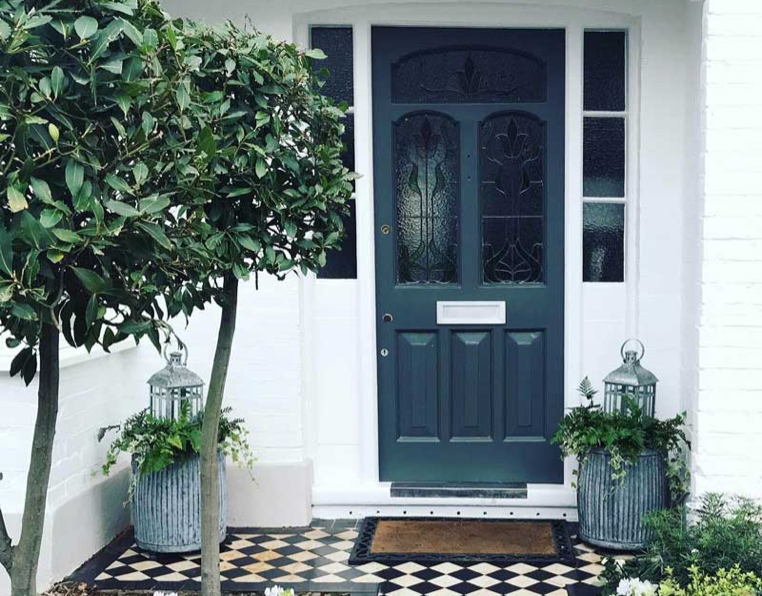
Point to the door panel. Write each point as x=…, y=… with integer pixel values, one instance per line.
x=469, y=206
x=418, y=386
x=525, y=383
x=471, y=383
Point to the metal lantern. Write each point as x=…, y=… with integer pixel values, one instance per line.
x=631, y=381
x=174, y=386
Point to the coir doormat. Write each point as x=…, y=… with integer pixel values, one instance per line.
x=392, y=540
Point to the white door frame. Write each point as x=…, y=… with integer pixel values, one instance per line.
x=475, y=14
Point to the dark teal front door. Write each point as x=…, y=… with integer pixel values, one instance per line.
x=469, y=211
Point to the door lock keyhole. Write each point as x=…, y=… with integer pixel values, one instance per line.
x=384, y=352
x=387, y=318
x=386, y=228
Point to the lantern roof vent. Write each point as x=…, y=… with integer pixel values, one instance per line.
x=176, y=374
x=631, y=372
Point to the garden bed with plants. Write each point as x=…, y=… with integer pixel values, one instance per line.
x=714, y=549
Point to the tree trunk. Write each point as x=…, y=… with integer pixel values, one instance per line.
x=26, y=553
x=210, y=498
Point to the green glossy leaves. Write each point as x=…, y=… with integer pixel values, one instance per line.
x=85, y=27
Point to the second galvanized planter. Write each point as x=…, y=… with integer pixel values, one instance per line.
x=611, y=511
x=166, y=506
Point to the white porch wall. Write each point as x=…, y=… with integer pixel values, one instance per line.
x=728, y=409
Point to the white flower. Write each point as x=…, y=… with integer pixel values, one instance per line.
x=160, y=593
x=278, y=591
x=624, y=588
x=635, y=587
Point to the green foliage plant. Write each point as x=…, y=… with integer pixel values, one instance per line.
x=624, y=435
x=269, y=195
x=723, y=533
x=91, y=157
x=726, y=582
x=156, y=443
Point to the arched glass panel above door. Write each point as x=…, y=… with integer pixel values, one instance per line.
x=512, y=197
x=427, y=189
x=469, y=75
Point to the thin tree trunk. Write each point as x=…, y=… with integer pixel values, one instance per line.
x=6, y=545
x=26, y=553
x=210, y=498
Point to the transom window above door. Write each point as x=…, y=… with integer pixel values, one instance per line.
x=474, y=74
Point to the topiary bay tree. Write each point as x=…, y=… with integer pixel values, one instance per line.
x=269, y=198
x=92, y=155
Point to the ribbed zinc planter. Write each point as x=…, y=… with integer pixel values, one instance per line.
x=166, y=506
x=611, y=512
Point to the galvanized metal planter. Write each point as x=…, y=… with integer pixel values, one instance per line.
x=166, y=507
x=610, y=512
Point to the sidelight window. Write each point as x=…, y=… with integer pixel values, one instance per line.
x=604, y=175
x=336, y=42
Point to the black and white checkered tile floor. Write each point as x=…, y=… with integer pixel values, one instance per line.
x=315, y=559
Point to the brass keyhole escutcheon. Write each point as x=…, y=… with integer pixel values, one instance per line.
x=387, y=318
x=386, y=228
x=384, y=352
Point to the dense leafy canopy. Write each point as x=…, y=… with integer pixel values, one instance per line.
x=142, y=157
x=271, y=187
x=90, y=130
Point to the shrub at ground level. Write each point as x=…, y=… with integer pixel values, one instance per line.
x=720, y=543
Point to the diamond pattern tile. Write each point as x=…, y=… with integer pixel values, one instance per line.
x=315, y=559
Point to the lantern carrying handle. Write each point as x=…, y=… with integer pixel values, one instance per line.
x=624, y=345
x=180, y=346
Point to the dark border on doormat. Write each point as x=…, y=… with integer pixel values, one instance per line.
x=362, y=553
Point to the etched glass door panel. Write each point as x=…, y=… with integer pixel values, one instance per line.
x=426, y=166
x=512, y=193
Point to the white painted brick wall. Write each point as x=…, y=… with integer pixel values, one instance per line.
x=264, y=388
x=728, y=410
x=93, y=394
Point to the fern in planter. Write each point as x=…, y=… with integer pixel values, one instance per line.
x=625, y=436
x=156, y=443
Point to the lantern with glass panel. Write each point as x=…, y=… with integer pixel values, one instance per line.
x=176, y=389
x=631, y=382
